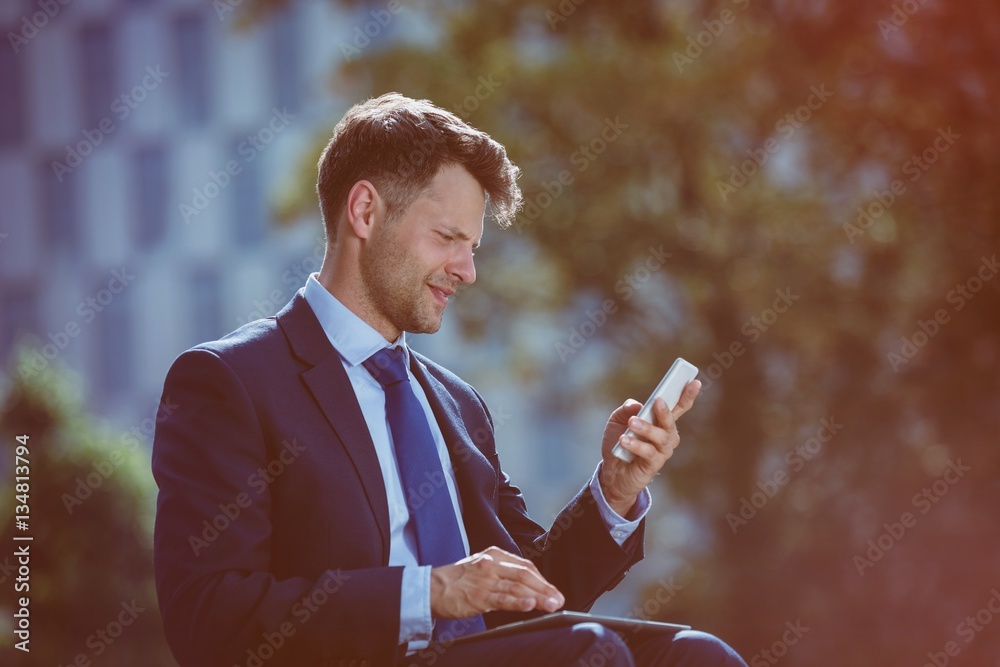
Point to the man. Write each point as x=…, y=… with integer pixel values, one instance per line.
x=330, y=497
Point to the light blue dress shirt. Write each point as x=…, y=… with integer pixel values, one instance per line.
x=355, y=340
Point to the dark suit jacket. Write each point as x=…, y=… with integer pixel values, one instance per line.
x=272, y=539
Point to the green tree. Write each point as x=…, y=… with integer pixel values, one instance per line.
x=91, y=496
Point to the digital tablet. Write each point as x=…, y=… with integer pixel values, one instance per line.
x=626, y=627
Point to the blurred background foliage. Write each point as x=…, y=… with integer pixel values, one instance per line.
x=92, y=503
x=690, y=104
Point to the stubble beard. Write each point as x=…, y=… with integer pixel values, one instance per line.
x=396, y=287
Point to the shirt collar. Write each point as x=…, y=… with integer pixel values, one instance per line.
x=351, y=336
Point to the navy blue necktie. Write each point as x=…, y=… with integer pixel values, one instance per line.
x=439, y=541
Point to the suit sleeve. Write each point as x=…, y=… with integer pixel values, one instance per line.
x=577, y=554
x=212, y=543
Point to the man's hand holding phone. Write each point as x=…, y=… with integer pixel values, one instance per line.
x=648, y=443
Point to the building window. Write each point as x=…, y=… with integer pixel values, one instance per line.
x=285, y=61
x=12, y=101
x=98, y=78
x=248, y=202
x=20, y=316
x=60, y=228
x=114, y=341
x=151, y=187
x=206, y=305
x=191, y=48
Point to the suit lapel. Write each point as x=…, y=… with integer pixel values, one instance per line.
x=331, y=389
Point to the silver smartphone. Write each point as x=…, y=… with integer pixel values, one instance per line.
x=669, y=389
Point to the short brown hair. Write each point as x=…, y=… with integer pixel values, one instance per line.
x=399, y=144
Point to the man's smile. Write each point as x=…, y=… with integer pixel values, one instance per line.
x=441, y=294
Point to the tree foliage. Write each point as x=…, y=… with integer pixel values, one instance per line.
x=90, y=579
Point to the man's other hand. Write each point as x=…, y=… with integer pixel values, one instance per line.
x=651, y=446
x=490, y=580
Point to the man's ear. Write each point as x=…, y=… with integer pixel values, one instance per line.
x=364, y=206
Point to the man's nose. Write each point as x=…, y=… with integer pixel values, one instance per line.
x=463, y=266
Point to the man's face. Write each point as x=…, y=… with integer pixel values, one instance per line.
x=413, y=264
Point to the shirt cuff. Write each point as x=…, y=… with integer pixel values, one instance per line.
x=620, y=527
x=415, y=622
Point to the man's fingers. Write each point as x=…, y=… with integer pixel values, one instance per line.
x=505, y=573
x=509, y=559
x=644, y=450
x=522, y=593
x=665, y=418
x=663, y=436
x=492, y=579
x=507, y=602
x=646, y=431
x=530, y=583
x=513, y=588
x=687, y=398
x=502, y=556
x=506, y=558
x=624, y=411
